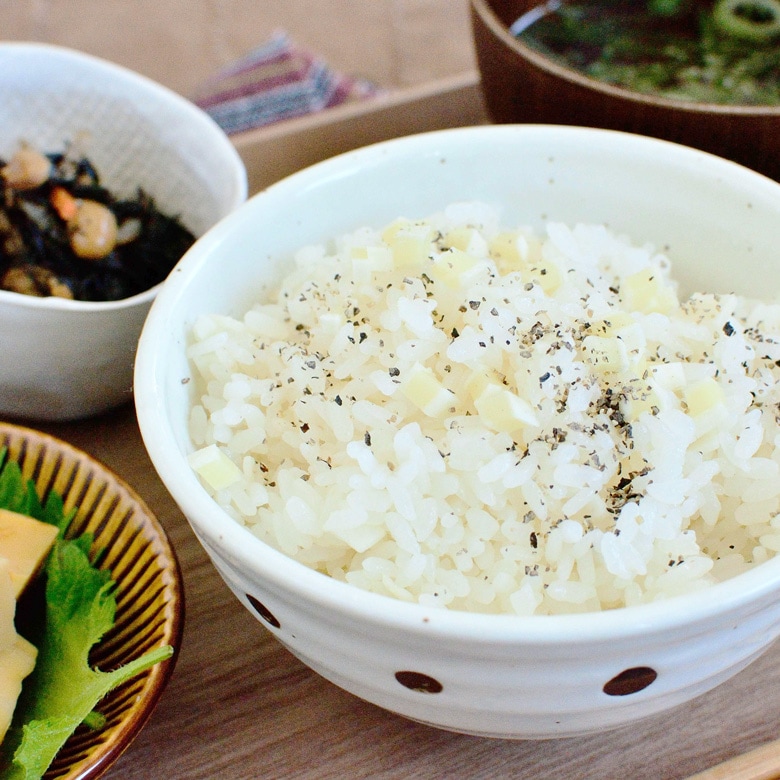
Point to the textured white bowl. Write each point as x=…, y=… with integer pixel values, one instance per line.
x=63, y=359
x=504, y=676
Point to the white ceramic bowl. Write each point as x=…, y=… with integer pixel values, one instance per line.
x=504, y=676
x=63, y=359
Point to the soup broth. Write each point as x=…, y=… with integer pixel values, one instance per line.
x=727, y=52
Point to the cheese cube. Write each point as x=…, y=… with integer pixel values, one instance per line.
x=468, y=240
x=504, y=411
x=645, y=292
x=453, y=266
x=507, y=250
x=214, y=467
x=371, y=258
x=546, y=274
x=633, y=337
x=409, y=242
x=616, y=320
x=605, y=354
x=479, y=380
x=424, y=390
x=514, y=251
x=670, y=376
x=476, y=384
x=702, y=396
x=368, y=260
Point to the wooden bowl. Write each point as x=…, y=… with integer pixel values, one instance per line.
x=522, y=85
x=150, y=597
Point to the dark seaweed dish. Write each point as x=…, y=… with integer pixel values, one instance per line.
x=723, y=52
x=63, y=233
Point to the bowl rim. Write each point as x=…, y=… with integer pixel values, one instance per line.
x=484, y=11
x=108, y=751
x=220, y=533
x=185, y=108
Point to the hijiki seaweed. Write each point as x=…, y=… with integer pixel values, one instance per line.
x=63, y=233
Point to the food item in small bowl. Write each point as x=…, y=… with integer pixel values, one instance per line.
x=65, y=234
x=577, y=668
x=99, y=614
x=703, y=86
x=68, y=358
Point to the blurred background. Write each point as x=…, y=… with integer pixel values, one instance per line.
x=183, y=43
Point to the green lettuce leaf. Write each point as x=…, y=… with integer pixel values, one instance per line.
x=18, y=495
x=64, y=689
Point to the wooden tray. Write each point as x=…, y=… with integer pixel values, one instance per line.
x=273, y=152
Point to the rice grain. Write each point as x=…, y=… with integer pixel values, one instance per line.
x=476, y=417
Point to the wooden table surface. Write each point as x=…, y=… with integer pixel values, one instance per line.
x=240, y=706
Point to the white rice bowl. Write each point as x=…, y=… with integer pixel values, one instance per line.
x=492, y=658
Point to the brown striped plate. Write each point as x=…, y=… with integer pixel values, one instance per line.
x=150, y=596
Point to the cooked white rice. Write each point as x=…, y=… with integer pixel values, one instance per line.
x=463, y=416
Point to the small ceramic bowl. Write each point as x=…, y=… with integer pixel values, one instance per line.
x=492, y=675
x=62, y=359
x=521, y=85
x=150, y=595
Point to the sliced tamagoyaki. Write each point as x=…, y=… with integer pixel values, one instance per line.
x=24, y=545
